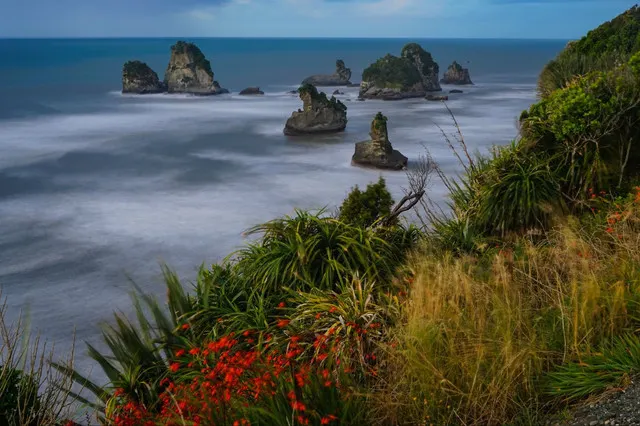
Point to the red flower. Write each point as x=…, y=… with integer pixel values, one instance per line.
x=174, y=367
x=194, y=351
x=283, y=323
x=609, y=230
x=185, y=326
x=180, y=352
x=281, y=305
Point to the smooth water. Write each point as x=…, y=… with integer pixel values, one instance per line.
x=96, y=187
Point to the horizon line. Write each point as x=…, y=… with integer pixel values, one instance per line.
x=279, y=38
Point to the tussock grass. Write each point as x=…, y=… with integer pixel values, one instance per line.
x=481, y=332
x=32, y=393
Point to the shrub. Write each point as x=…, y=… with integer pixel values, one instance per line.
x=364, y=208
x=602, y=49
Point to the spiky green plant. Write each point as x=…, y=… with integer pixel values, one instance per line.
x=314, y=251
x=138, y=353
x=614, y=364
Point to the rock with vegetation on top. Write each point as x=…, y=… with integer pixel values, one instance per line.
x=411, y=75
x=190, y=72
x=339, y=78
x=378, y=151
x=456, y=75
x=318, y=114
x=251, y=91
x=138, y=77
x=436, y=98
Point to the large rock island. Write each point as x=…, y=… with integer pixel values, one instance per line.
x=339, y=78
x=456, y=75
x=318, y=114
x=190, y=72
x=138, y=77
x=378, y=151
x=411, y=75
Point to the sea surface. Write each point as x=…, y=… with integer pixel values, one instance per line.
x=97, y=188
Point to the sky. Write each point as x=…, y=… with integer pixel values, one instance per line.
x=537, y=19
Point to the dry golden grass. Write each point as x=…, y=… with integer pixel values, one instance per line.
x=480, y=333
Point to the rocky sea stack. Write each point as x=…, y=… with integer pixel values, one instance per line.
x=318, y=114
x=138, y=77
x=251, y=91
x=411, y=75
x=339, y=78
x=378, y=151
x=190, y=72
x=456, y=75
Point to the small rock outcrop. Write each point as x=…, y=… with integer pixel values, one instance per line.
x=411, y=75
x=190, y=72
x=436, y=98
x=318, y=114
x=456, y=75
x=251, y=91
x=378, y=151
x=339, y=78
x=456, y=91
x=337, y=92
x=138, y=77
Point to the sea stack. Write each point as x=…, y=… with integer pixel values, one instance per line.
x=378, y=151
x=456, y=75
x=318, y=114
x=411, y=75
x=139, y=78
x=339, y=78
x=190, y=72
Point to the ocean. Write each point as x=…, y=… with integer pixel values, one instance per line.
x=97, y=188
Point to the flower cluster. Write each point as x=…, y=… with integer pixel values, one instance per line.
x=223, y=380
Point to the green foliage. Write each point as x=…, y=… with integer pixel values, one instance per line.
x=588, y=130
x=392, y=72
x=137, y=69
x=199, y=59
x=609, y=367
x=517, y=193
x=611, y=44
x=364, y=208
x=314, y=251
x=18, y=398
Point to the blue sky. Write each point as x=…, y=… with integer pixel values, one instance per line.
x=564, y=19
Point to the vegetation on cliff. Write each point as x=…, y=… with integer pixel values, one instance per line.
x=392, y=72
x=603, y=48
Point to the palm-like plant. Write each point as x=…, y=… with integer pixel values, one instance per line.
x=313, y=251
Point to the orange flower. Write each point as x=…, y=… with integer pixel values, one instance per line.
x=609, y=230
x=283, y=323
x=180, y=352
